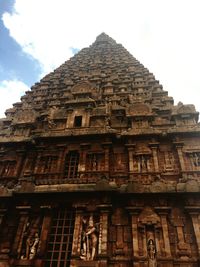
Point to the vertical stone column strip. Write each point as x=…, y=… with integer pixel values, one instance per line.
x=28, y=166
x=165, y=234
x=135, y=234
x=106, y=146
x=61, y=160
x=106, y=159
x=46, y=225
x=180, y=234
x=76, y=245
x=154, y=148
x=103, y=234
x=157, y=233
x=37, y=165
x=180, y=155
x=196, y=226
x=82, y=161
x=19, y=166
x=87, y=116
x=144, y=239
x=2, y=213
x=20, y=231
x=130, y=148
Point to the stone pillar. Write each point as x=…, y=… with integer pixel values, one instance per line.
x=61, y=159
x=106, y=147
x=87, y=116
x=154, y=147
x=46, y=226
x=196, y=225
x=163, y=216
x=103, y=234
x=37, y=165
x=29, y=164
x=17, y=246
x=130, y=156
x=2, y=213
x=144, y=238
x=134, y=216
x=106, y=159
x=83, y=154
x=19, y=165
x=157, y=234
x=179, y=147
x=76, y=245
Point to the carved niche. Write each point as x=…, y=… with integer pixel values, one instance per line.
x=180, y=230
x=194, y=159
x=82, y=89
x=120, y=236
x=168, y=159
x=119, y=160
x=149, y=235
x=24, y=116
x=89, y=237
x=27, y=238
x=142, y=159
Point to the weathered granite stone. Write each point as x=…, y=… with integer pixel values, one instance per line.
x=98, y=167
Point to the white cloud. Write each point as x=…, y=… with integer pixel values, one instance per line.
x=163, y=35
x=10, y=92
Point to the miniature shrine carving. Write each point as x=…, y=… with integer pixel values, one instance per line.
x=98, y=167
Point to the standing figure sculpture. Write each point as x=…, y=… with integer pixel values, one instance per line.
x=31, y=246
x=34, y=246
x=151, y=248
x=89, y=239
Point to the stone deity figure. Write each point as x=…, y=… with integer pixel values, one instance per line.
x=31, y=246
x=151, y=248
x=89, y=239
x=196, y=160
x=34, y=246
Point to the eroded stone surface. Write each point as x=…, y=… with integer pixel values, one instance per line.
x=99, y=138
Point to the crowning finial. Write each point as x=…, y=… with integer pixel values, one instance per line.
x=103, y=37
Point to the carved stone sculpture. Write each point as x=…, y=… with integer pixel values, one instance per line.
x=151, y=248
x=89, y=239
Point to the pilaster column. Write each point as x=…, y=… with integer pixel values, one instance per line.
x=61, y=159
x=2, y=213
x=103, y=234
x=157, y=234
x=130, y=148
x=196, y=225
x=76, y=245
x=179, y=147
x=134, y=216
x=154, y=148
x=29, y=164
x=144, y=241
x=46, y=225
x=106, y=146
x=87, y=116
x=20, y=161
x=163, y=216
x=18, y=242
x=82, y=163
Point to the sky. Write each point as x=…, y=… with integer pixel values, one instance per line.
x=36, y=36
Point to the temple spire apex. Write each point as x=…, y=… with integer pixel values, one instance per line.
x=103, y=37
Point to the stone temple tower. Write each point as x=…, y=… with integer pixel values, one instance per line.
x=99, y=168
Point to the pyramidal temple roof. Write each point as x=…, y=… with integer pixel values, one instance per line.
x=102, y=89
